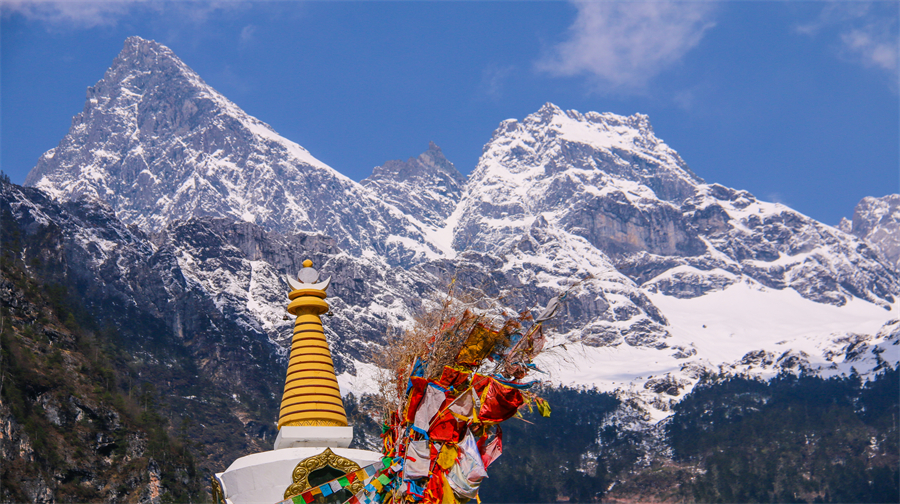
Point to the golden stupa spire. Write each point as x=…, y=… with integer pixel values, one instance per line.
x=311, y=394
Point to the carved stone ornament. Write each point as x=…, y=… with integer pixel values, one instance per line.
x=317, y=422
x=310, y=464
x=216, y=491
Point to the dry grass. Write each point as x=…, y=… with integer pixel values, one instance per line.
x=436, y=336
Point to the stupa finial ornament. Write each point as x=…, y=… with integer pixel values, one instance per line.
x=308, y=278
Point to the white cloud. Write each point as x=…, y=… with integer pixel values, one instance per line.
x=777, y=197
x=493, y=78
x=72, y=14
x=96, y=13
x=625, y=44
x=873, y=46
x=247, y=33
x=866, y=33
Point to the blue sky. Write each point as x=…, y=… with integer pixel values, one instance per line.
x=795, y=102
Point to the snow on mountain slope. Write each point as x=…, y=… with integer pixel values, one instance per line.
x=241, y=268
x=745, y=328
x=158, y=144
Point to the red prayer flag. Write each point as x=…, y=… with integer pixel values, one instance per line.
x=307, y=497
x=479, y=382
x=499, y=402
x=452, y=378
x=415, y=397
x=446, y=427
x=491, y=450
x=434, y=490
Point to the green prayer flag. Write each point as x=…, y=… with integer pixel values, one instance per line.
x=343, y=481
x=386, y=462
x=298, y=500
x=384, y=480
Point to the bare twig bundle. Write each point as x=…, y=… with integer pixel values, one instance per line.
x=439, y=334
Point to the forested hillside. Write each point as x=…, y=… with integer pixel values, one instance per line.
x=78, y=423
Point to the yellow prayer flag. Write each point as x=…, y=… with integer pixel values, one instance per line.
x=482, y=339
x=449, y=496
x=448, y=455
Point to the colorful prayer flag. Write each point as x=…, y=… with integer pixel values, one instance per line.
x=452, y=378
x=499, y=402
x=482, y=339
x=493, y=449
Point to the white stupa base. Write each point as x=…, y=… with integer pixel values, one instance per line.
x=264, y=477
x=298, y=437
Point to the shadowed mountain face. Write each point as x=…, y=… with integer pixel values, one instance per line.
x=172, y=202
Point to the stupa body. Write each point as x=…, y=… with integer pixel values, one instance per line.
x=313, y=434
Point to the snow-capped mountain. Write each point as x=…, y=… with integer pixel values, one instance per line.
x=158, y=144
x=608, y=179
x=427, y=187
x=877, y=221
x=565, y=167
x=677, y=276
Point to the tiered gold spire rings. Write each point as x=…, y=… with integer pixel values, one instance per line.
x=311, y=394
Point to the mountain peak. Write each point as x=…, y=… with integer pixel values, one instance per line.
x=431, y=163
x=143, y=55
x=136, y=45
x=550, y=140
x=158, y=144
x=142, y=64
x=549, y=111
x=427, y=186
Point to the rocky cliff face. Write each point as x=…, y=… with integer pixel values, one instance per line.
x=204, y=361
x=67, y=430
x=877, y=221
